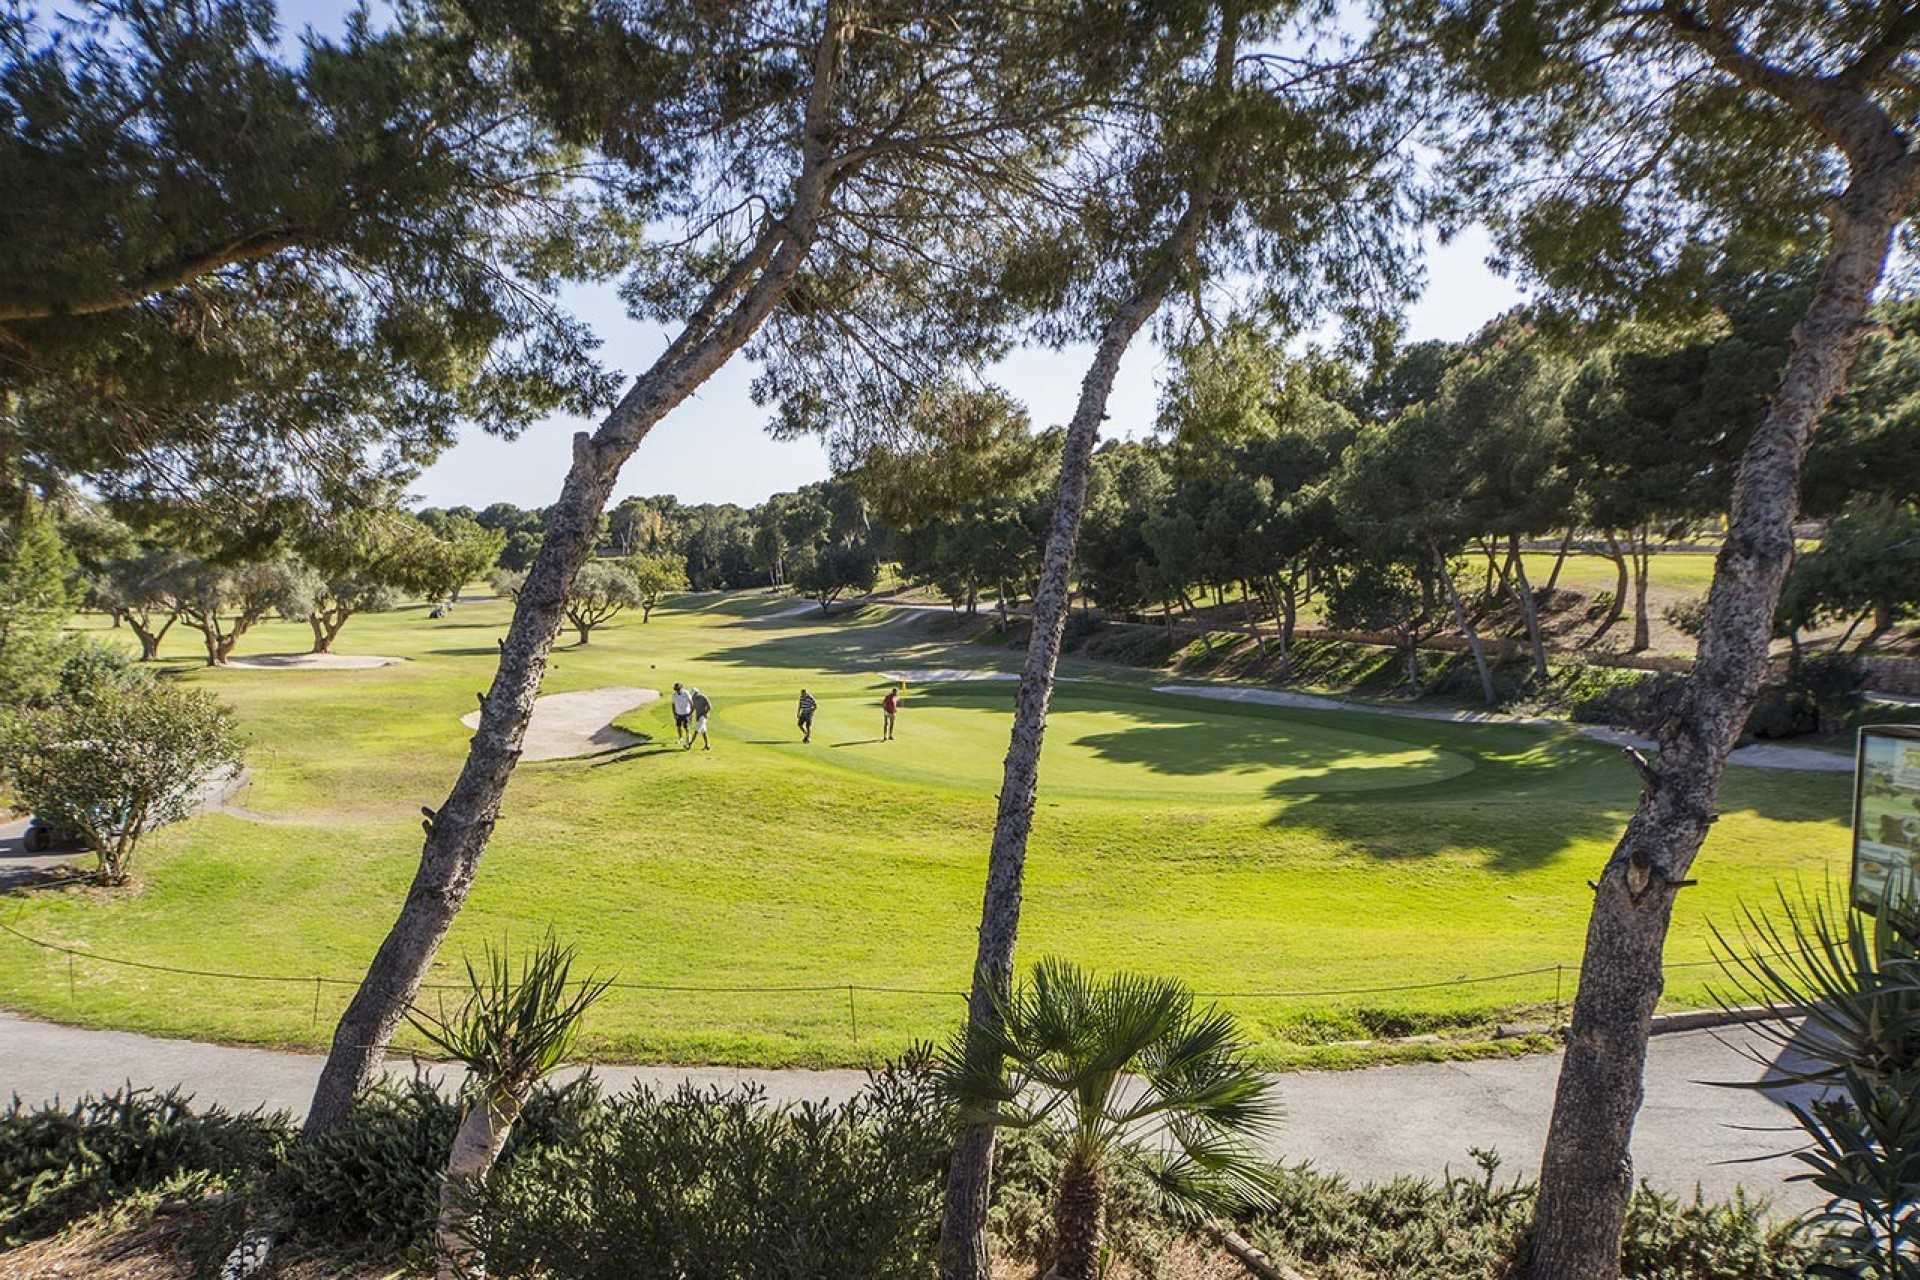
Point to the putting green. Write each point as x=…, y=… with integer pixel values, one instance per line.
x=1104, y=741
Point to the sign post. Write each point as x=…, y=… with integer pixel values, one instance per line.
x=1886, y=817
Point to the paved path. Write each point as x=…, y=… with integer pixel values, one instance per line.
x=1371, y=1124
x=565, y=725
x=1760, y=755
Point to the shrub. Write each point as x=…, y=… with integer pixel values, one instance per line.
x=704, y=1185
x=1688, y=617
x=116, y=756
x=58, y=1164
x=370, y=1186
x=1026, y=1170
x=1471, y=1228
x=1640, y=705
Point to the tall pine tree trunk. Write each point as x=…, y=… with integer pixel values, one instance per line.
x=1467, y=630
x=1587, y=1177
x=963, y=1227
x=1560, y=560
x=457, y=834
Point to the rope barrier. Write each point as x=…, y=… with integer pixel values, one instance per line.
x=835, y=988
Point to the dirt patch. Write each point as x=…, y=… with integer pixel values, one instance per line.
x=158, y=1250
x=566, y=725
x=313, y=661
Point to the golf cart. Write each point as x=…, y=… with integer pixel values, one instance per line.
x=41, y=837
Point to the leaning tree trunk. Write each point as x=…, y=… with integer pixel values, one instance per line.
x=1460, y=619
x=1560, y=560
x=1621, y=582
x=1530, y=609
x=1587, y=1176
x=458, y=832
x=963, y=1227
x=1079, y=1219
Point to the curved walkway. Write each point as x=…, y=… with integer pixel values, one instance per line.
x=1371, y=1124
x=1758, y=756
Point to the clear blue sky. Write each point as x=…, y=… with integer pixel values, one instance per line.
x=714, y=447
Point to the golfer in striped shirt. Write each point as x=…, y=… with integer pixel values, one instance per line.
x=808, y=705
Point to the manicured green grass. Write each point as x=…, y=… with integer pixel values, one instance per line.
x=1268, y=856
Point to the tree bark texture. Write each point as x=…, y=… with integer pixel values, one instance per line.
x=457, y=833
x=1640, y=547
x=1080, y=1219
x=1560, y=560
x=1587, y=1177
x=963, y=1228
x=477, y=1145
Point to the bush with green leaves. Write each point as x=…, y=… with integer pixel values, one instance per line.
x=1475, y=1228
x=59, y=1164
x=116, y=754
x=1640, y=704
x=369, y=1188
x=705, y=1185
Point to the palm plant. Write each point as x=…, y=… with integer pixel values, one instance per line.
x=1124, y=1069
x=1840, y=991
x=513, y=1031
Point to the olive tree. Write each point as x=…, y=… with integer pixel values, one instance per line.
x=656, y=576
x=224, y=603
x=116, y=756
x=602, y=591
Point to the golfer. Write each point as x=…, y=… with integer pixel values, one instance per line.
x=808, y=705
x=889, y=707
x=701, y=710
x=682, y=715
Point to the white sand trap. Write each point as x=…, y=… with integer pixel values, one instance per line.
x=1759, y=755
x=313, y=661
x=565, y=725
x=943, y=675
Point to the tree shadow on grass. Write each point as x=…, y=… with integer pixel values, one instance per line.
x=628, y=755
x=849, y=649
x=1191, y=746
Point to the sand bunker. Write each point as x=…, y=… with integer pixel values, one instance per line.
x=313, y=661
x=944, y=675
x=565, y=725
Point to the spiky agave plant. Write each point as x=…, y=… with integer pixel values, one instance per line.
x=1840, y=991
x=1124, y=1069
x=513, y=1031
